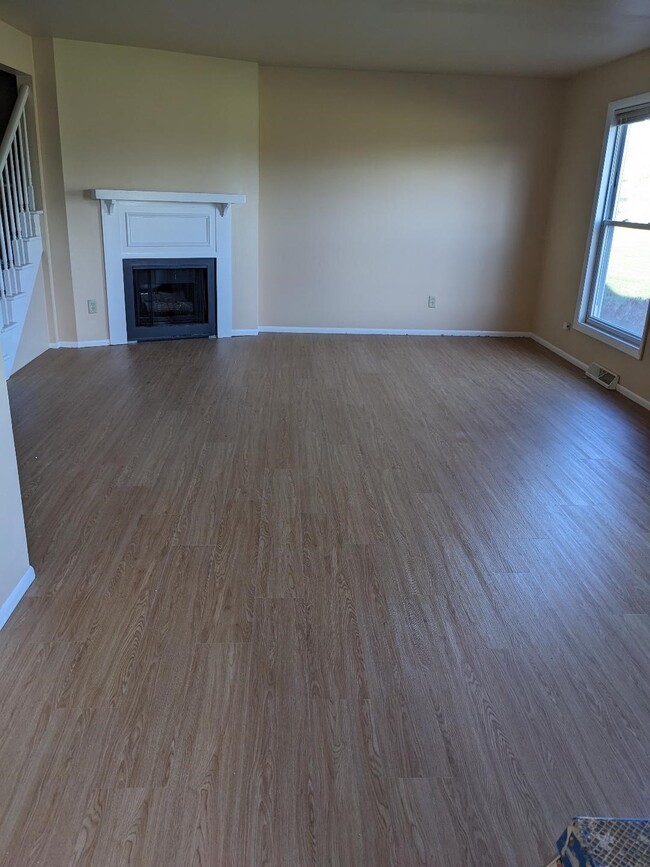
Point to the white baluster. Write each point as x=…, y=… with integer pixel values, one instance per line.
x=4, y=246
x=5, y=309
x=5, y=317
x=18, y=223
x=5, y=314
x=11, y=284
x=22, y=162
x=20, y=191
x=4, y=279
x=14, y=209
x=28, y=164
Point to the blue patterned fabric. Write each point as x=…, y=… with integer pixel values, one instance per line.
x=590, y=841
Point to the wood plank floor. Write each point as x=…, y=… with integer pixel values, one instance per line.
x=323, y=600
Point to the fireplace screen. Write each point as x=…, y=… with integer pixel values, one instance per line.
x=167, y=298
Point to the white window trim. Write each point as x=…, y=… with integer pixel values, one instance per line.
x=597, y=216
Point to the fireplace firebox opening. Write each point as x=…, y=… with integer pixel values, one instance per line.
x=170, y=298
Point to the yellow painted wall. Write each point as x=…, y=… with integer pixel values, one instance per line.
x=577, y=177
x=155, y=120
x=57, y=267
x=379, y=189
x=15, y=49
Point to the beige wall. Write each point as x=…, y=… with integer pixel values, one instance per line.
x=56, y=257
x=378, y=190
x=142, y=119
x=13, y=545
x=575, y=186
x=15, y=49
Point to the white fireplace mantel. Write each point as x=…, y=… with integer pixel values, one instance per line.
x=158, y=225
x=110, y=197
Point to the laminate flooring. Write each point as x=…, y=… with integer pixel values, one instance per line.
x=323, y=600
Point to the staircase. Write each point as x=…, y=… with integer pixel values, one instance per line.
x=21, y=246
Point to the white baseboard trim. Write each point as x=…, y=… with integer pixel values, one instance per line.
x=556, y=349
x=632, y=395
x=308, y=329
x=8, y=606
x=79, y=344
x=626, y=392
x=415, y=332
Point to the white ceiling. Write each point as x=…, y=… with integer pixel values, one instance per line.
x=523, y=37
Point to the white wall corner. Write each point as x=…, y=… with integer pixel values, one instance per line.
x=8, y=606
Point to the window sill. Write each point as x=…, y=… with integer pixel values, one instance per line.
x=615, y=342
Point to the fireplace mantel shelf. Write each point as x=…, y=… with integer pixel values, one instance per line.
x=222, y=200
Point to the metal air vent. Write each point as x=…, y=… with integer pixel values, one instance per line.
x=602, y=376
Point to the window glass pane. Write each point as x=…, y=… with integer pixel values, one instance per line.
x=632, y=200
x=622, y=293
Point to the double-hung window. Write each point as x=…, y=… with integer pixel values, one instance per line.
x=614, y=304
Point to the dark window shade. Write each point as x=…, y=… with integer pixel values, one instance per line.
x=633, y=114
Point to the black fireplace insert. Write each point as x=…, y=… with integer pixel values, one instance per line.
x=170, y=298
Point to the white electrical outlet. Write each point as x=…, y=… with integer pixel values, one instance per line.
x=566, y=325
x=92, y=305
x=432, y=300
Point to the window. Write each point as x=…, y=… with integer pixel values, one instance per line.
x=615, y=298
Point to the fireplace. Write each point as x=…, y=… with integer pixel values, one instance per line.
x=174, y=226
x=170, y=298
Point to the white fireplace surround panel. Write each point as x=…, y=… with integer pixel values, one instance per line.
x=143, y=224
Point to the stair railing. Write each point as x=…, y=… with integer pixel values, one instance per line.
x=17, y=206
